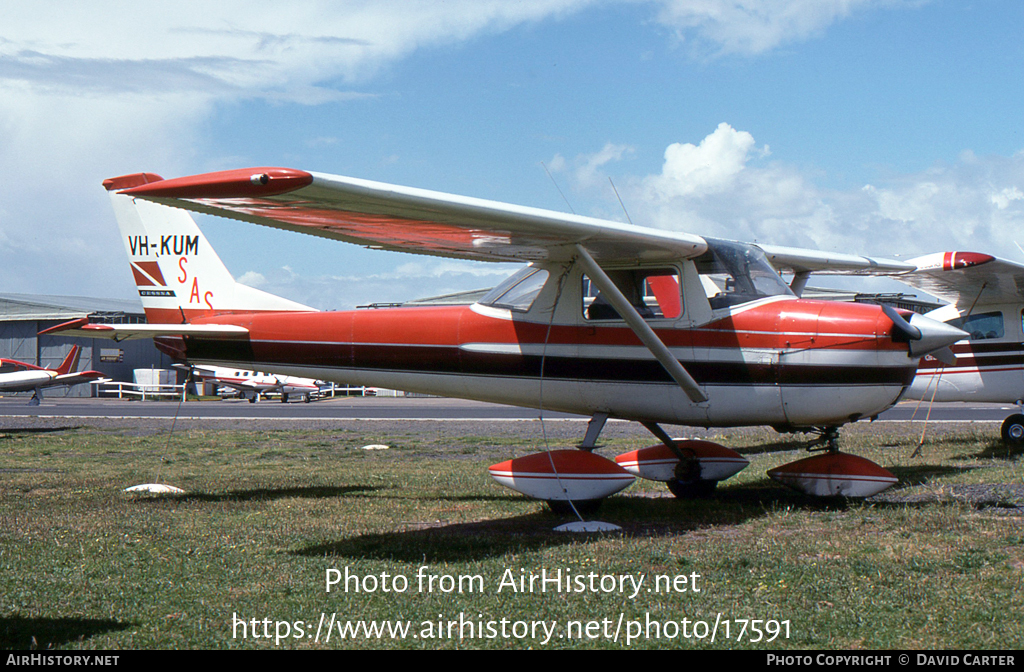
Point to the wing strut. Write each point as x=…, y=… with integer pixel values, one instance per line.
x=643, y=331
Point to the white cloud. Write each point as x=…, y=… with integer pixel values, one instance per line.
x=87, y=91
x=234, y=48
x=90, y=90
x=589, y=165
x=708, y=168
x=723, y=187
x=755, y=26
x=1004, y=198
x=252, y=279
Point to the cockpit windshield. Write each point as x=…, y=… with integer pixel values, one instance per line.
x=735, y=273
x=518, y=291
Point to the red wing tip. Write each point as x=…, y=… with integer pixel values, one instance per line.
x=242, y=183
x=955, y=260
x=129, y=181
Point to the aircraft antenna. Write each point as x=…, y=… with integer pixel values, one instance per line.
x=558, y=188
x=628, y=218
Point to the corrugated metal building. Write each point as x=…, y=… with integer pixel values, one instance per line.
x=23, y=316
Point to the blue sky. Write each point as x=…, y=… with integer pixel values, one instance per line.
x=882, y=127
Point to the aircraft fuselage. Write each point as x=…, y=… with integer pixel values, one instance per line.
x=780, y=361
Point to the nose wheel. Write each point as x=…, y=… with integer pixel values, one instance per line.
x=833, y=473
x=828, y=440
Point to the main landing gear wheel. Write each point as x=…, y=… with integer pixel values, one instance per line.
x=692, y=489
x=688, y=483
x=1013, y=430
x=583, y=507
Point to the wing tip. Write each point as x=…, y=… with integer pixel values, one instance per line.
x=129, y=181
x=951, y=261
x=242, y=183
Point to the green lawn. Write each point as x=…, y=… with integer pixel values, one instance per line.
x=430, y=542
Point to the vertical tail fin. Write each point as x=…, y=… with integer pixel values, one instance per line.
x=70, y=363
x=178, y=274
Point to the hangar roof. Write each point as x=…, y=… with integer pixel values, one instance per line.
x=19, y=307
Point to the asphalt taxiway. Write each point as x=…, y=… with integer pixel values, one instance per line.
x=397, y=408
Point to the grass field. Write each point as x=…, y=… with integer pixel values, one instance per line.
x=242, y=560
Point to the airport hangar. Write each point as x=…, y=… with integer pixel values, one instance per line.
x=23, y=316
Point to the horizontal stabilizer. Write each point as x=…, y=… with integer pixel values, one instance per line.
x=127, y=332
x=76, y=378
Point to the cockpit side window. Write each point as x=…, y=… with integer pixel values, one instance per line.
x=654, y=292
x=735, y=273
x=982, y=326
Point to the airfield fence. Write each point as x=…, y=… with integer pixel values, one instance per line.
x=123, y=390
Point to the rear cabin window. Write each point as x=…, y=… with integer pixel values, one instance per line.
x=982, y=326
x=654, y=292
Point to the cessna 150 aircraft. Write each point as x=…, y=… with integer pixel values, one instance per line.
x=608, y=320
x=18, y=376
x=986, y=300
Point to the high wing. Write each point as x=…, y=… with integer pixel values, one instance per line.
x=390, y=217
x=384, y=216
x=799, y=260
x=967, y=278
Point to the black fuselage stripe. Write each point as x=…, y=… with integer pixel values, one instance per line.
x=455, y=361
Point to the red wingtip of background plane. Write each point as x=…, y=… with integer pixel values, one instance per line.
x=954, y=260
x=244, y=183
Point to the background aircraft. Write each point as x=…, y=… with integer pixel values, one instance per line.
x=608, y=320
x=253, y=384
x=18, y=376
x=986, y=300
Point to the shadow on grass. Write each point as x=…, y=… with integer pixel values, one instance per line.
x=774, y=447
x=9, y=432
x=1000, y=451
x=920, y=475
x=21, y=633
x=451, y=543
x=263, y=494
x=641, y=517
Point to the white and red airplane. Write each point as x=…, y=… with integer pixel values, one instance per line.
x=608, y=320
x=18, y=376
x=986, y=300
x=253, y=384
